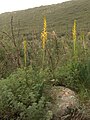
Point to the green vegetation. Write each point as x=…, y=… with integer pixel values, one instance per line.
x=21, y=99
x=28, y=70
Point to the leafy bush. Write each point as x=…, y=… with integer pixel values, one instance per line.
x=22, y=96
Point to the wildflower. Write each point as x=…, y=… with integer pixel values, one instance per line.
x=74, y=36
x=44, y=33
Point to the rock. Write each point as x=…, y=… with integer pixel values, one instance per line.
x=65, y=104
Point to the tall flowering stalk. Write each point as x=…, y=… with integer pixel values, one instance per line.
x=44, y=33
x=44, y=38
x=83, y=42
x=25, y=52
x=74, y=33
x=25, y=60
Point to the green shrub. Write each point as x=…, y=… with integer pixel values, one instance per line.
x=22, y=96
x=74, y=75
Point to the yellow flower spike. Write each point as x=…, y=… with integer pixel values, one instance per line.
x=44, y=39
x=74, y=37
x=74, y=30
x=44, y=33
x=45, y=24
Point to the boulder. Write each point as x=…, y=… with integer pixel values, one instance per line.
x=65, y=104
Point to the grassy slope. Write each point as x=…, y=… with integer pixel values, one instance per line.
x=59, y=17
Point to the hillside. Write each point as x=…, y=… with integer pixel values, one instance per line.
x=59, y=17
x=47, y=77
